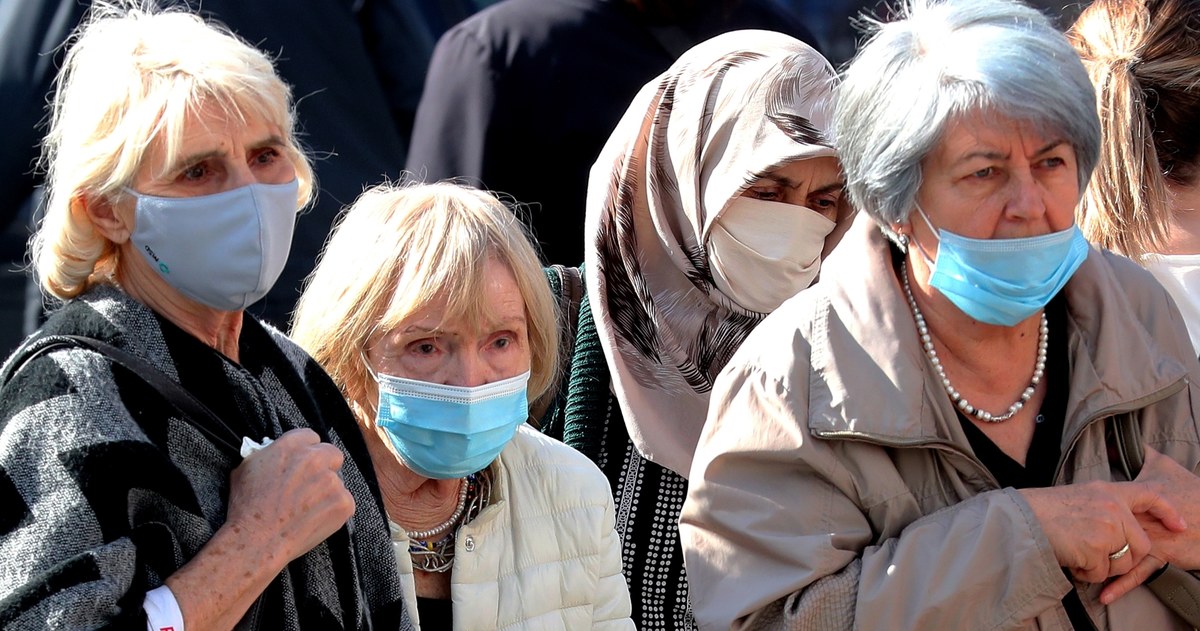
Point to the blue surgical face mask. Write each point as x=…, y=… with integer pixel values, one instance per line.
x=1004, y=281
x=224, y=250
x=447, y=432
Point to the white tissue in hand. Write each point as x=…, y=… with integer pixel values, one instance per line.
x=249, y=446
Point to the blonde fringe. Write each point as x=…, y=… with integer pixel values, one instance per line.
x=1127, y=207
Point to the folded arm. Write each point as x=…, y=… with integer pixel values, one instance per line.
x=775, y=527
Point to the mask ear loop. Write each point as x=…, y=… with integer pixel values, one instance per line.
x=373, y=407
x=920, y=248
x=362, y=353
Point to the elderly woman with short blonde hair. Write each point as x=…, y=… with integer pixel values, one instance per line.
x=362, y=288
x=139, y=484
x=430, y=310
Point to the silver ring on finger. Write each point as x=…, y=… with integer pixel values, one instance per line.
x=1119, y=553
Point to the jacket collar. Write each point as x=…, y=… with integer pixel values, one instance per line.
x=864, y=340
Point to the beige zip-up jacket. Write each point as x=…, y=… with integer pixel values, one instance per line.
x=833, y=487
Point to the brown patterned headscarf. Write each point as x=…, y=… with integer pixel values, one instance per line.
x=728, y=111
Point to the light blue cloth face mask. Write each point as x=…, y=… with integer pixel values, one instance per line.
x=1004, y=281
x=224, y=250
x=446, y=432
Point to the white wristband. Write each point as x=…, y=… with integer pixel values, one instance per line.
x=162, y=610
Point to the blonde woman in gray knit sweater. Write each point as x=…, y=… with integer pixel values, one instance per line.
x=174, y=183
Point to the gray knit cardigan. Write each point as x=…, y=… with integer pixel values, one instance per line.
x=105, y=490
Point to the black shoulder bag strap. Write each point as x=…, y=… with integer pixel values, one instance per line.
x=194, y=412
x=1178, y=589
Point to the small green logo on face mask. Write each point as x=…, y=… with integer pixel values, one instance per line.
x=162, y=267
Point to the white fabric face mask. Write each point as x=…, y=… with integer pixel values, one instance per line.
x=1180, y=276
x=224, y=250
x=762, y=252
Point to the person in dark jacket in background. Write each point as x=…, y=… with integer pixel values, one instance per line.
x=521, y=97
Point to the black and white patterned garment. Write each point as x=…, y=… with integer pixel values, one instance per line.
x=105, y=491
x=648, y=499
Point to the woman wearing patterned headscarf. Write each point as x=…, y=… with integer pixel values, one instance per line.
x=712, y=203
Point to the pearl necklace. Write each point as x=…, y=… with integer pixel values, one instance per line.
x=926, y=341
x=449, y=523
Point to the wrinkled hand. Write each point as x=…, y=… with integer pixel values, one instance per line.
x=1180, y=547
x=1085, y=523
x=1182, y=488
x=288, y=497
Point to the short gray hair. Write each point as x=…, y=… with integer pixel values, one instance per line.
x=943, y=59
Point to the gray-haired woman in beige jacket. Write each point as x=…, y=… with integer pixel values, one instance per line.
x=919, y=442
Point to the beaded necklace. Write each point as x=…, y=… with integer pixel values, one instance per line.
x=927, y=342
x=437, y=555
